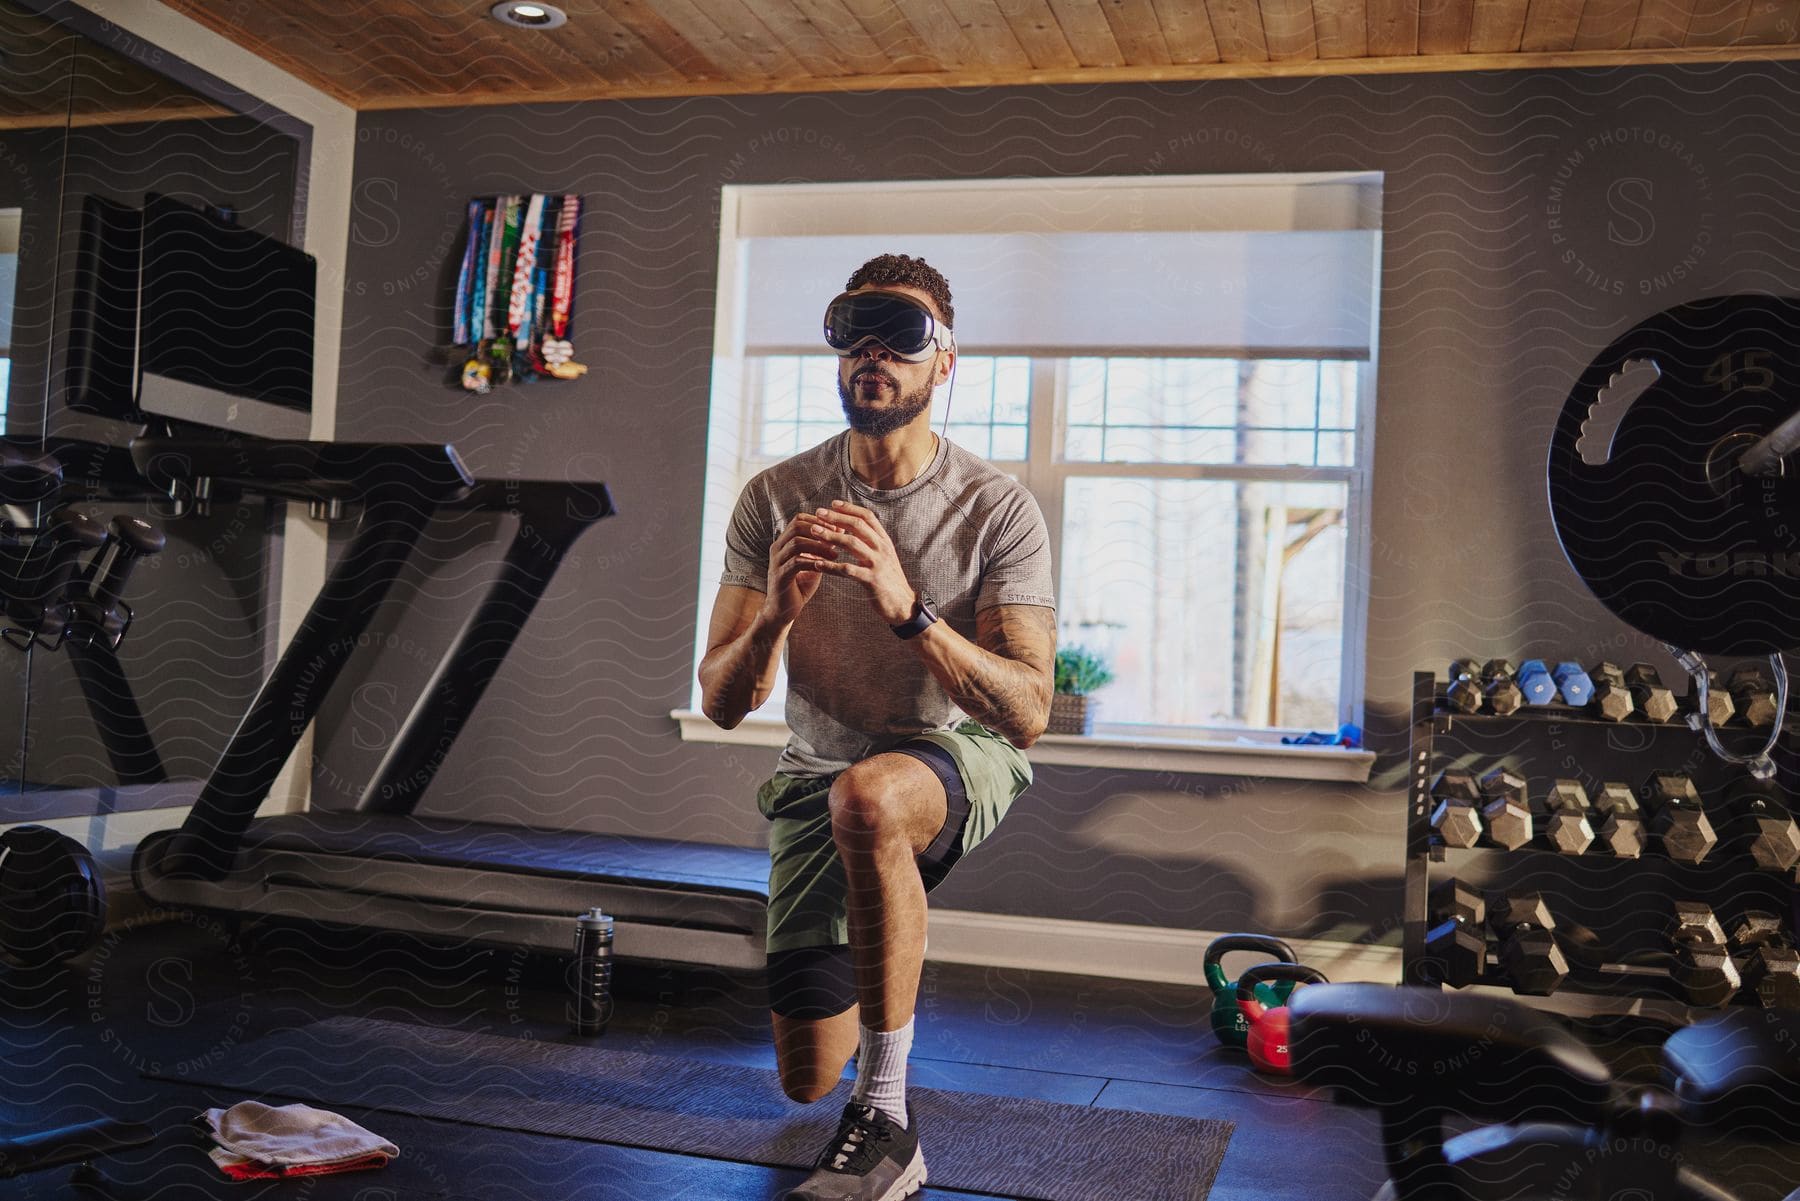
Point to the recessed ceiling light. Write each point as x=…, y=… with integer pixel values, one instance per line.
x=528, y=15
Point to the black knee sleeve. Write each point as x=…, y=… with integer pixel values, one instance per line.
x=810, y=983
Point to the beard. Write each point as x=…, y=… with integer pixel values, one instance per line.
x=878, y=423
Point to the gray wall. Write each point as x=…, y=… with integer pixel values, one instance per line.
x=1529, y=218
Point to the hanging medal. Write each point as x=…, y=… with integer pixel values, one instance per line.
x=540, y=287
x=477, y=376
x=518, y=307
x=540, y=298
x=558, y=354
x=499, y=303
x=465, y=279
x=471, y=310
x=496, y=240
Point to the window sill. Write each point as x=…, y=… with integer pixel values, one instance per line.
x=1213, y=757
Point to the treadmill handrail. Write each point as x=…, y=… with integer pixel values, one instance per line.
x=304, y=469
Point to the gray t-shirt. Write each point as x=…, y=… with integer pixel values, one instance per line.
x=969, y=536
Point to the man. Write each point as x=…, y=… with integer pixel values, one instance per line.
x=908, y=583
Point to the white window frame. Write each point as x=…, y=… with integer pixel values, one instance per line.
x=10, y=221
x=1222, y=750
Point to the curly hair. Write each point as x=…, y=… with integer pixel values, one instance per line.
x=888, y=270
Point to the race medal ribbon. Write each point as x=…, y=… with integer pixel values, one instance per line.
x=557, y=352
x=500, y=349
x=465, y=279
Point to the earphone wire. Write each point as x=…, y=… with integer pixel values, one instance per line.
x=951, y=394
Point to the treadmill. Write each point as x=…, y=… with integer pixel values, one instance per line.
x=380, y=865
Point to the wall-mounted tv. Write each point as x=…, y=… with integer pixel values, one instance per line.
x=179, y=313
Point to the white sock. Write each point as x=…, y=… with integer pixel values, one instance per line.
x=881, y=1070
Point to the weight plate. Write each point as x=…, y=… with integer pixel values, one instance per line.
x=1644, y=493
x=52, y=896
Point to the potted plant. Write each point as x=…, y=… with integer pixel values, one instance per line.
x=1079, y=671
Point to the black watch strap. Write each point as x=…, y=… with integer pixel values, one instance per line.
x=915, y=625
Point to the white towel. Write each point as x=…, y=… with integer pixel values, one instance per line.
x=292, y=1135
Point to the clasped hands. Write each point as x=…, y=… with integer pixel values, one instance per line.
x=844, y=540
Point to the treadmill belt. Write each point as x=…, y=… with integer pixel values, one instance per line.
x=568, y=854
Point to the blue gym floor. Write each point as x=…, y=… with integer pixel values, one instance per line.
x=182, y=994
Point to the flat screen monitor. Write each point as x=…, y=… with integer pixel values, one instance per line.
x=217, y=319
x=103, y=314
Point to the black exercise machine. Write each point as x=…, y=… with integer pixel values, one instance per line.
x=79, y=1145
x=1565, y=1127
x=379, y=865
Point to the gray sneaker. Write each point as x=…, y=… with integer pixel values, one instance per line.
x=869, y=1159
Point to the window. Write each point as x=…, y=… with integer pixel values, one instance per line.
x=1206, y=498
x=9, y=275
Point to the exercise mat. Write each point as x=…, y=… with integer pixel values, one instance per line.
x=1008, y=1146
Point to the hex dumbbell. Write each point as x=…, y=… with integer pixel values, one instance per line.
x=1499, y=687
x=1464, y=693
x=1677, y=817
x=1621, y=828
x=1536, y=683
x=1648, y=693
x=1770, y=964
x=1758, y=823
x=1505, y=810
x=1752, y=693
x=1612, y=696
x=1576, y=686
x=1454, y=815
x=1528, y=949
x=1566, y=827
x=1719, y=706
x=1455, y=947
x=1704, y=970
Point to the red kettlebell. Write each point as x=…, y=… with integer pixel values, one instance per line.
x=1268, y=1039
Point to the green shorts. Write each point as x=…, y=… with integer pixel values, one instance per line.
x=806, y=877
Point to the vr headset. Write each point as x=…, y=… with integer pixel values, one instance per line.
x=894, y=320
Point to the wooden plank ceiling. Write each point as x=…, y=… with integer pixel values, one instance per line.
x=408, y=53
x=39, y=87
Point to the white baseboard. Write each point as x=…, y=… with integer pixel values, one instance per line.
x=1123, y=952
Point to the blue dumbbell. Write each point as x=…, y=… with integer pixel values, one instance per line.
x=1576, y=688
x=1535, y=682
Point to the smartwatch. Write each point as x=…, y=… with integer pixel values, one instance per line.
x=923, y=615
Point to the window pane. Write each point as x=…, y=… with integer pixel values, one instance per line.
x=1012, y=390
x=1337, y=395
x=976, y=439
x=819, y=389
x=812, y=433
x=1082, y=444
x=781, y=390
x=971, y=396
x=1009, y=444
x=1255, y=644
x=1335, y=449
x=1283, y=394
x=1169, y=444
x=1087, y=392
x=1268, y=411
x=780, y=441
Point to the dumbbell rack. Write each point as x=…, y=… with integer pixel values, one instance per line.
x=1617, y=989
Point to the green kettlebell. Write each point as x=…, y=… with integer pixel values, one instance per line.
x=1228, y=1020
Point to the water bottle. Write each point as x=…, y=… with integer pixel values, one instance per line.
x=592, y=972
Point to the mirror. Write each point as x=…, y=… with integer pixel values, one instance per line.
x=36, y=71
x=88, y=133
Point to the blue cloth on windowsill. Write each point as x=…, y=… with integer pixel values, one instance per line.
x=1348, y=735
